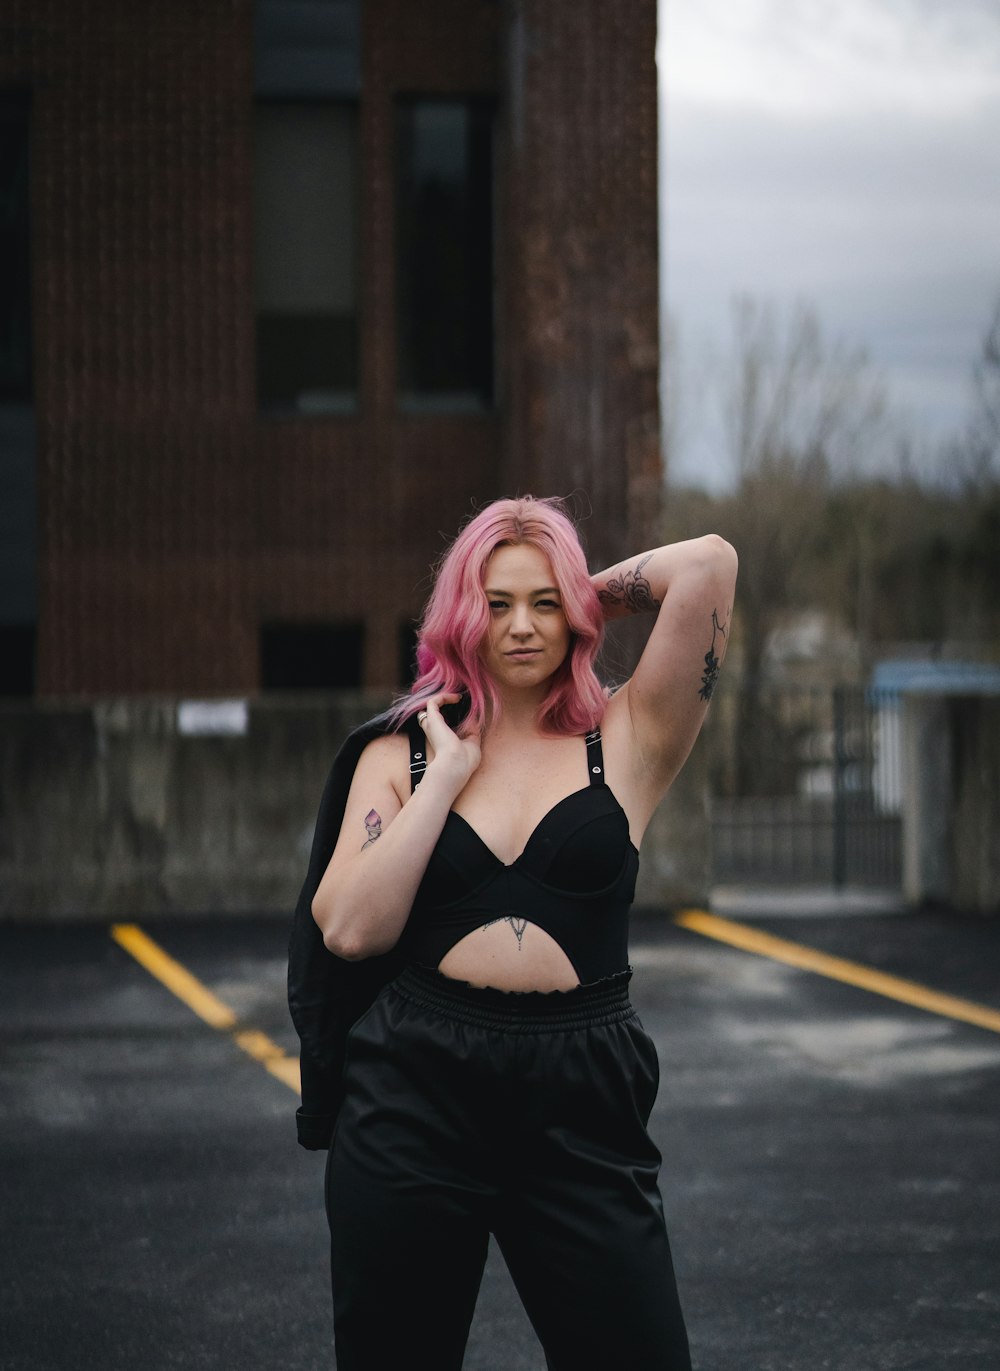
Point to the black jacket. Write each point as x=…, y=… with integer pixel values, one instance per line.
x=325, y=993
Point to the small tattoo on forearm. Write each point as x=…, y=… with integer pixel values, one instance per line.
x=630, y=589
x=517, y=924
x=710, y=674
x=373, y=827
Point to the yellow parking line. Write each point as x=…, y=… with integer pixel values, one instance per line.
x=837, y=969
x=179, y=981
x=259, y=1046
x=175, y=977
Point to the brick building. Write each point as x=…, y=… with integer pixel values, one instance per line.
x=286, y=289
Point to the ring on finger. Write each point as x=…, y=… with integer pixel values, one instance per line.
x=422, y=718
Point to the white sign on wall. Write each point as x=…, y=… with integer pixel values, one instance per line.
x=208, y=718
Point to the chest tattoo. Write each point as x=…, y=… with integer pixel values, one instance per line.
x=516, y=922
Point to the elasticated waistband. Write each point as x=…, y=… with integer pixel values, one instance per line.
x=518, y=1011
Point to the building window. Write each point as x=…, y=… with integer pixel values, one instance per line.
x=306, y=200
x=311, y=656
x=15, y=277
x=444, y=253
x=305, y=261
x=17, y=659
x=18, y=485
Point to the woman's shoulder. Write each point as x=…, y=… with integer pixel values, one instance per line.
x=386, y=749
x=387, y=758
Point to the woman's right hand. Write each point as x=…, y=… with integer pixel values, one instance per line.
x=451, y=756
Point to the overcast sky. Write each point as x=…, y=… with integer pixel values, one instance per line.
x=840, y=152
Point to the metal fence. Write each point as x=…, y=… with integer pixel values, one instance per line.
x=806, y=785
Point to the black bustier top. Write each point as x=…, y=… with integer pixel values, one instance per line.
x=575, y=880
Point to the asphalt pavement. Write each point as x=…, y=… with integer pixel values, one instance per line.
x=830, y=1174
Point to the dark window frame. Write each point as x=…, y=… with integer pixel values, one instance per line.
x=480, y=397
x=15, y=112
x=284, y=643
x=349, y=406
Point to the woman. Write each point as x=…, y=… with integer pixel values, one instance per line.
x=501, y=1082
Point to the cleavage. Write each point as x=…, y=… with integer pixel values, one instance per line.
x=514, y=789
x=528, y=840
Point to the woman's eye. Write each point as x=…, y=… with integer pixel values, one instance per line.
x=548, y=604
x=498, y=604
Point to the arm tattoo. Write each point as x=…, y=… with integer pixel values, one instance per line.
x=516, y=922
x=710, y=674
x=373, y=827
x=630, y=589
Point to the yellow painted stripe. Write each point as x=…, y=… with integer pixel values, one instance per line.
x=270, y=1055
x=838, y=969
x=179, y=981
x=175, y=977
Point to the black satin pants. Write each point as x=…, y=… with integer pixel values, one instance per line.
x=470, y=1112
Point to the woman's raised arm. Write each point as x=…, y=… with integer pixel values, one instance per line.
x=689, y=586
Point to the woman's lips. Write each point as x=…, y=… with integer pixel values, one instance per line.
x=524, y=653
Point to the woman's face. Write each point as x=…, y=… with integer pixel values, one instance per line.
x=528, y=637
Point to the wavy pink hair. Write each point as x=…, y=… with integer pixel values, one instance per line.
x=457, y=619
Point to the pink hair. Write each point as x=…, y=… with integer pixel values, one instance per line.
x=457, y=619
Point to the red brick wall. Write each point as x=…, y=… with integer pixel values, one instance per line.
x=353, y=531
x=580, y=250
x=173, y=519
x=143, y=328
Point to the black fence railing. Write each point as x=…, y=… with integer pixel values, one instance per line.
x=807, y=785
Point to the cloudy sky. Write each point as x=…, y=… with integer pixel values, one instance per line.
x=845, y=153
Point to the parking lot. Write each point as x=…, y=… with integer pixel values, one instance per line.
x=830, y=1151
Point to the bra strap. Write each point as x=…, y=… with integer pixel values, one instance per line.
x=595, y=757
x=418, y=754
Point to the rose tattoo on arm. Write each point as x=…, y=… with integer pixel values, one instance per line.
x=373, y=827
x=630, y=589
x=710, y=673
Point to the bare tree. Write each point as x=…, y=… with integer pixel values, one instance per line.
x=985, y=430
x=893, y=555
x=796, y=402
x=981, y=552
x=800, y=413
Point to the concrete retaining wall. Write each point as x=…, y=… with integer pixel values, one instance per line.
x=109, y=810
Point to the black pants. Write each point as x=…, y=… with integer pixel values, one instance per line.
x=474, y=1111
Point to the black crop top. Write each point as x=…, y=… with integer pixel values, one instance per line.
x=575, y=880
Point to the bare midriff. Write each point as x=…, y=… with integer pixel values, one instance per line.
x=510, y=954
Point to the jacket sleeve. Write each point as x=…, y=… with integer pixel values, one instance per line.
x=326, y=994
